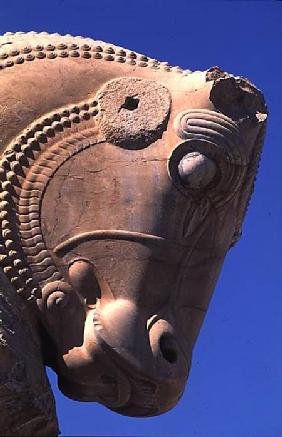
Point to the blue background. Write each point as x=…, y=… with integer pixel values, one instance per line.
x=235, y=386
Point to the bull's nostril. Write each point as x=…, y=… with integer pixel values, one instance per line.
x=84, y=280
x=168, y=348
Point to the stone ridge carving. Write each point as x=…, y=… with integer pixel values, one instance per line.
x=121, y=190
x=85, y=51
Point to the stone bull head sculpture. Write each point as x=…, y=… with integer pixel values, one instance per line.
x=124, y=181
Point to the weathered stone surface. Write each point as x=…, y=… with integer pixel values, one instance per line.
x=26, y=401
x=133, y=111
x=124, y=181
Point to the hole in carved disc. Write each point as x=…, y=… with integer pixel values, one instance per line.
x=130, y=103
x=168, y=348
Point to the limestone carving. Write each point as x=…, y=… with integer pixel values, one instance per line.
x=123, y=183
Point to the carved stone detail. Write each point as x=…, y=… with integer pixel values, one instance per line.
x=85, y=51
x=22, y=222
x=133, y=111
x=121, y=190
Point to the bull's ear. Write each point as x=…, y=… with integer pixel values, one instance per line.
x=21, y=367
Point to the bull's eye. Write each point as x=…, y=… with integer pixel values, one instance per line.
x=196, y=170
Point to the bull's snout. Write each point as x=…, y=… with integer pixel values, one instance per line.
x=147, y=350
x=149, y=344
x=131, y=357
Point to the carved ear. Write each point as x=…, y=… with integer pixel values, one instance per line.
x=133, y=111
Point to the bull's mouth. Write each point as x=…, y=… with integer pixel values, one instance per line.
x=122, y=389
x=110, y=388
x=127, y=396
x=148, y=397
x=115, y=234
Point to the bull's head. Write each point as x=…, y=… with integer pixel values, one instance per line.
x=126, y=185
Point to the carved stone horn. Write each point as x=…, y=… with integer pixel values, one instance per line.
x=123, y=183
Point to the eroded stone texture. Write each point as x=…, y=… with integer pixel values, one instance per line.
x=124, y=182
x=26, y=401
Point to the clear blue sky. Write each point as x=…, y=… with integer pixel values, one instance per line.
x=235, y=386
